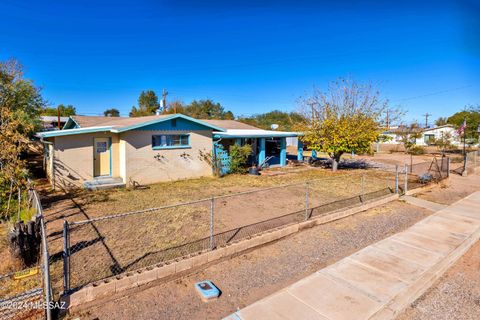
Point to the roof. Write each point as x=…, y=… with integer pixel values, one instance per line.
x=88, y=124
x=440, y=127
x=231, y=124
x=254, y=133
x=92, y=121
x=53, y=119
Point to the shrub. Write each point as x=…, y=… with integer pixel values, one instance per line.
x=416, y=150
x=238, y=158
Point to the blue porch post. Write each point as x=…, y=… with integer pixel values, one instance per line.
x=283, y=151
x=261, y=150
x=238, y=141
x=300, y=150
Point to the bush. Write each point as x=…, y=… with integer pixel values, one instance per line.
x=416, y=150
x=238, y=158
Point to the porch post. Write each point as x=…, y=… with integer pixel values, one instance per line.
x=299, y=150
x=261, y=150
x=238, y=141
x=283, y=151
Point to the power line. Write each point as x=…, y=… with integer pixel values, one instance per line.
x=432, y=93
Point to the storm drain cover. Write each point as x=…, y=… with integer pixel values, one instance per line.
x=207, y=290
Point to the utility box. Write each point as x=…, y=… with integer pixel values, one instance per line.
x=207, y=290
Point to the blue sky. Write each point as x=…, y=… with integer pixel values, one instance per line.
x=250, y=56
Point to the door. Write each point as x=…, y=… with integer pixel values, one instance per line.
x=101, y=157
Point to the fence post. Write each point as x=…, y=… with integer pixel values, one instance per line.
x=306, y=200
x=406, y=179
x=66, y=257
x=448, y=166
x=362, y=197
x=396, y=178
x=212, y=222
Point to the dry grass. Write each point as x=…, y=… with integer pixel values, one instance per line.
x=107, y=247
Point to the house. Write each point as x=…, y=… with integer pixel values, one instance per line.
x=96, y=151
x=52, y=122
x=430, y=135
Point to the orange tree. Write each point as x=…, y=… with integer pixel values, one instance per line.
x=343, y=119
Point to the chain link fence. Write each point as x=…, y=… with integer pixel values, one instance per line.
x=26, y=294
x=99, y=248
x=472, y=161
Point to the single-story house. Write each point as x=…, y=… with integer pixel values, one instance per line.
x=429, y=135
x=92, y=151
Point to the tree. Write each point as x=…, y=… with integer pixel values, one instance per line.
x=20, y=108
x=441, y=121
x=285, y=121
x=207, y=109
x=472, y=115
x=175, y=106
x=65, y=111
x=343, y=119
x=112, y=112
x=147, y=104
x=409, y=136
x=444, y=142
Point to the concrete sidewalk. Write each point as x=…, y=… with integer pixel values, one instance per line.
x=379, y=281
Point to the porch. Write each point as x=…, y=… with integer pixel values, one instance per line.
x=269, y=148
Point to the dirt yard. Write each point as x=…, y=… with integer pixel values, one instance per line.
x=254, y=275
x=104, y=248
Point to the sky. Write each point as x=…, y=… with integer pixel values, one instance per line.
x=251, y=56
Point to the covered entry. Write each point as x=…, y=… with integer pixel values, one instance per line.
x=268, y=146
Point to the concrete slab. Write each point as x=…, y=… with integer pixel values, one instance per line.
x=379, y=286
x=429, y=205
x=311, y=291
x=419, y=256
x=283, y=306
x=456, y=226
x=405, y=270
x=420, y=241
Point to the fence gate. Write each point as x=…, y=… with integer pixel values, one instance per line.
x=222, y=160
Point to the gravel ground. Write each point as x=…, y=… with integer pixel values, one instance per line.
x=455, y=296
x=254, y=275
x=456, y=188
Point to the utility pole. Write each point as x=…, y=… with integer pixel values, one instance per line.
x=426, y=118
x=312, y=104
x=164, y=100
x=58, y=118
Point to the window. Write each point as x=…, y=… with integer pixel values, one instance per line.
x=166, y=141
x=429, y=138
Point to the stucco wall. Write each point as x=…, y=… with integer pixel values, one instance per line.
x=73, y=162
x=142, y=166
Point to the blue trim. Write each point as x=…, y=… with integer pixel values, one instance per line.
x=67, y=132
x=261, y=151
x=186, y=146
x=110, y=148
x=218, y=135
x=299, y=150
x=72, y=121
x=175, y=116
x=171, y=147
x=283, y=152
